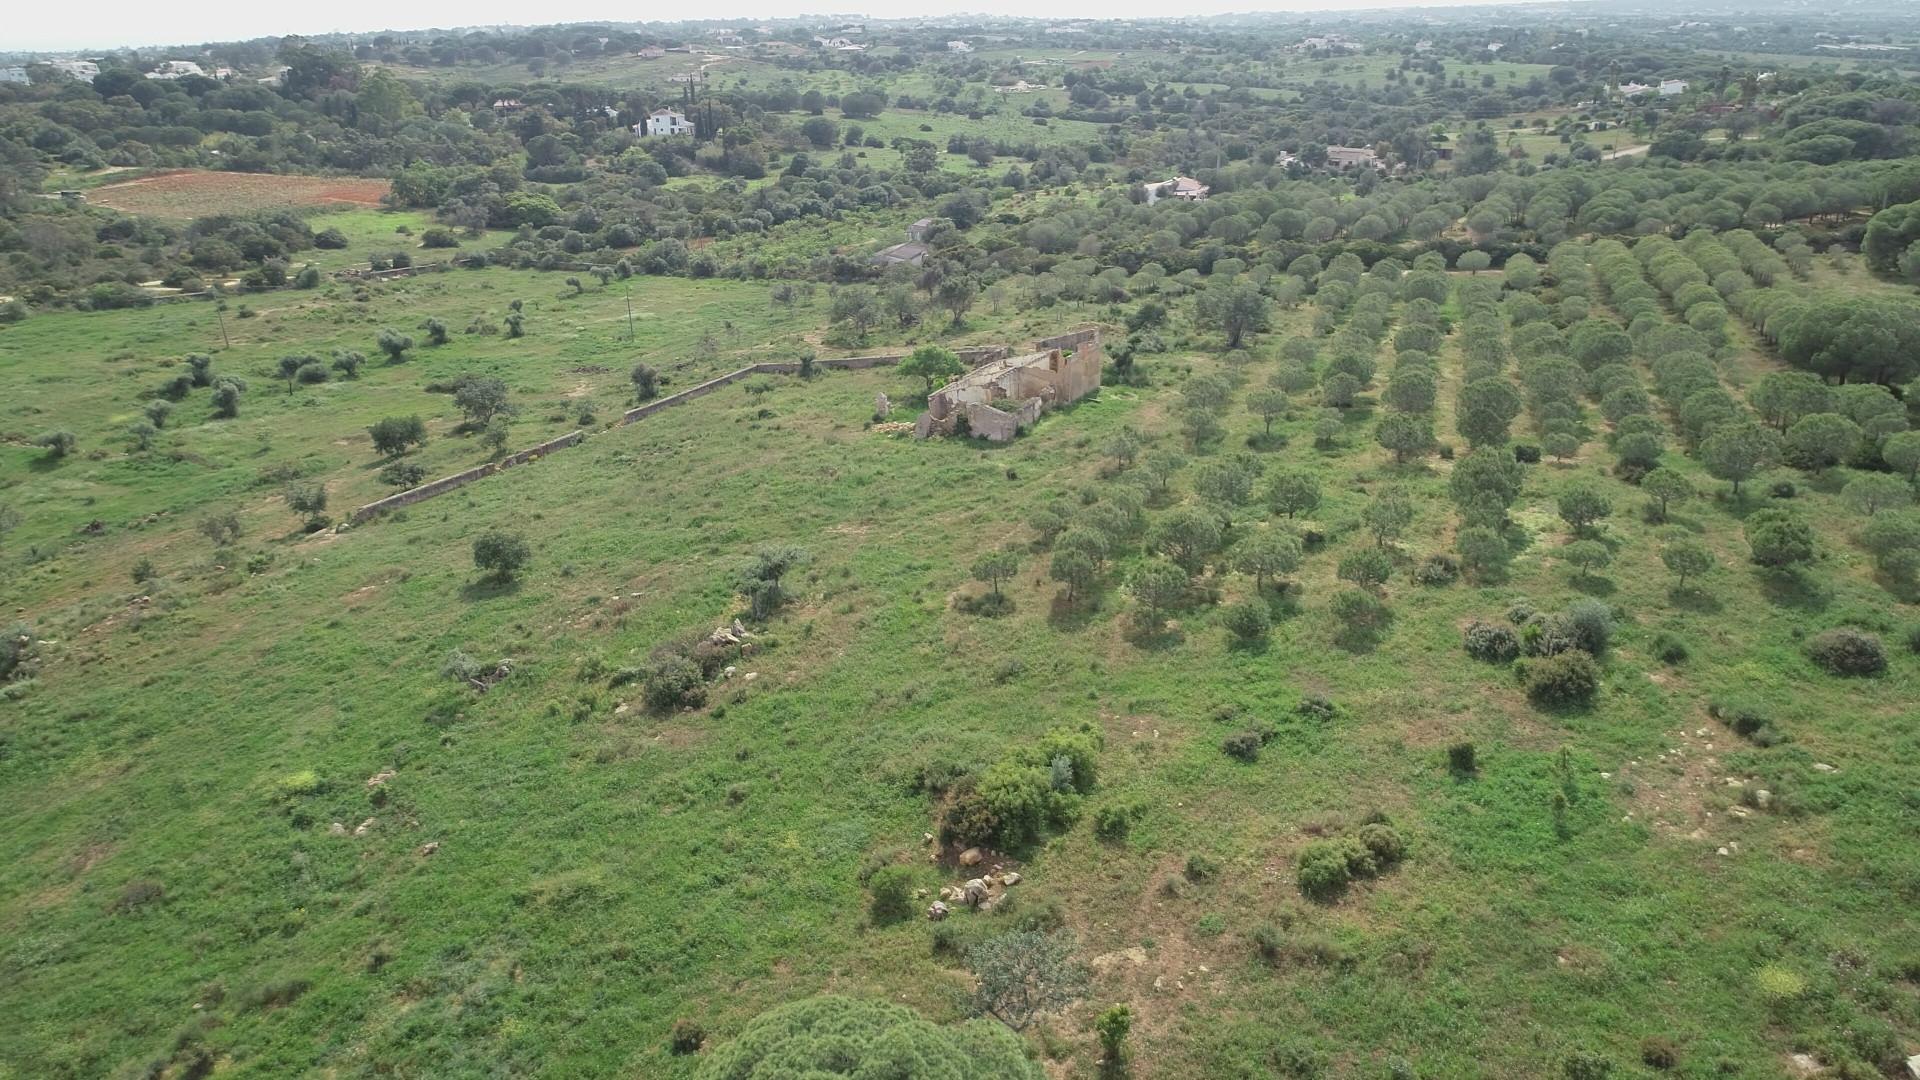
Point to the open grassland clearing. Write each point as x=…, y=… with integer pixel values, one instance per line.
x=191, y=193
x=599, y=870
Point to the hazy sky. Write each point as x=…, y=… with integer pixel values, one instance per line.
x=115, y=23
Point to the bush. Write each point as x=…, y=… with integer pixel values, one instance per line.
x=1548, y=635
x=675, y=682
x=1492, y=642
x=501, y=554
x=1243, y=746
x=1668, y=648
x=1526, y=455
x=1586, y=1065
x=1846, y=651
x=1437, y=569
x=1566, y=678
x=1316, y=708
x=892, y=889
x=1591, y=624
x=1200, y=868
x=1384, y=842
x=1659, y=1053
x=1322, y=870
x=403, y=474
x=1114, y=821
x=686, y=1036
x=1247, y=621
x=57, y=444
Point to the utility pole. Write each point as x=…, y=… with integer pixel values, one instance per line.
x=220, y=310
x=629, y=311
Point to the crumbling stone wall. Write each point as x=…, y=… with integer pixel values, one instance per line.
x=973, y=354
x=462, y=479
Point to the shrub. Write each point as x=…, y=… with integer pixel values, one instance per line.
x=1384, y=842
x=1743, y=716
x=1244, y=746
x=1315, y=707
x=57, y=444
x=1591, y=624
x=403, y=474
x=1659, y=1053
x=501, y=554
x=1322, y=869
x=892, y=900
x=1846, y=651
x=1586, y=1065
x=1783, y=490
x=1437, y=569
x=1528, y=455
x=686, y=1036
x=674, y=682
x=1115, y=820
x=1548, y=634
x=1268, y=942
x=1668, y=648
x=1492, y=642
x=1519, y=612
x=1247, y=621
x=1566, y=678
x=1200, y=868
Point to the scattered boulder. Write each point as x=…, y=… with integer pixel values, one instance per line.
x=1821, y=766
x=380, y=778
x=976, y=892
x=971, y=857
x=364, y=828
x=937, y=911
x=1011, y=877
x=430, y=847
x=336, y=829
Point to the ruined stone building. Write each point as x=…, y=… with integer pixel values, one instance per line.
x=1005, y=395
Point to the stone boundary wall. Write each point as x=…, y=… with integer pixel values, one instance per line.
x=462, y=479
x=1071, y=340
x=973, y=354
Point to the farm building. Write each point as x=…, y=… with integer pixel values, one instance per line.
x=1180, y=187
x=1346, y=157
x=1003, y=397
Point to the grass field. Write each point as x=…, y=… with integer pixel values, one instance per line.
x=168, y=880
x=183, y=194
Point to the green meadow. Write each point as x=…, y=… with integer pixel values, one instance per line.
x=550, y=874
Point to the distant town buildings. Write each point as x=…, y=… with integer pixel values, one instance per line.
x=83, y=70
x=651, y=52
x=176, y=69
x=15, y=74
x=959, y=47
x=1671, y=87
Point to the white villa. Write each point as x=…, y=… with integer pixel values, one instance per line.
x=663, y=122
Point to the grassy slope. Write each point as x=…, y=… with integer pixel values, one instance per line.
x=602, y=872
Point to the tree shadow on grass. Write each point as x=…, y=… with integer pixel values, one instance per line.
x=1793, y=589
x=1594, y=584
x=1360, y=641
x=1071, y=616
x=1153, y=638
x=1283, y=601
x=1695, y=599
x=490, y=587
x=1249, y=646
